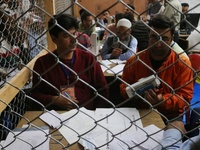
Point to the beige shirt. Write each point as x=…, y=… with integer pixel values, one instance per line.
x=174, y=12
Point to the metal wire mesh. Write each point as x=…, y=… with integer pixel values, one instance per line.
x=24, y=35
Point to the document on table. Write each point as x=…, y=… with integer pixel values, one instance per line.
x=52, y=118
x=150, y=137
x=118, y=69
x=81, y=121
x=106, y=62
x=99, y=126
x=103, y=68
x=28, y=138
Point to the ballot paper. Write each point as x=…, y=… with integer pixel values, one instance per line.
x=79, y=122
x=27, y=139
x=118, y=69
x=150, y=137
x=52, y=118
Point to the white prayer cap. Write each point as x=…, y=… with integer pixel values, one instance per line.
x=124, y=22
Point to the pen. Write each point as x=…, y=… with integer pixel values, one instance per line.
x=67, y=94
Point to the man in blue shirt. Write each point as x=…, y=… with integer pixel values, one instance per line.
x=122, y=46
x=172, y=139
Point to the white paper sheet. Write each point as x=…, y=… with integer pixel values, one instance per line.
x=52, y=118
x=118, y=61
x=106, y=62
x=28, y=139
x=103, y=68
x=138, y=137
x=118, y=69
x=80, y=122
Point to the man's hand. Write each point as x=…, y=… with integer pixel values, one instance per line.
x=63, y=102
x=179, y=125
x=116, y=53
x=152, y=96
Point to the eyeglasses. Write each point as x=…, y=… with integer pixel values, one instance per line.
x=154, y=38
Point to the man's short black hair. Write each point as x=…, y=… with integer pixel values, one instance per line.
x=84, y=15
x=118, y=16
x=66, y=21
x=81, y=11
x=162, y=22
x=129, y=16
x=185, y=4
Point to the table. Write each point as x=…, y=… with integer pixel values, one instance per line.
x=148, y=117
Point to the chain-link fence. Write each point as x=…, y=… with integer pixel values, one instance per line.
x=99, y=99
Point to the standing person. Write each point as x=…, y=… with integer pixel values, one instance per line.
x=70, y=76
x=173, y=71
x=173, y=11
x=114, y=49
x=87, y=24
x=185, y=7
x=154, y=8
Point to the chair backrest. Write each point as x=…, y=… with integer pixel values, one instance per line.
x=195, y=61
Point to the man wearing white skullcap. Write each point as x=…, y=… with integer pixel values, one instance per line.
x=122, y=46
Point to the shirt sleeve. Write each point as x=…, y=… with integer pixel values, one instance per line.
x=39, y=88
x=104, y=51
x=172, y=140
x=130, y=51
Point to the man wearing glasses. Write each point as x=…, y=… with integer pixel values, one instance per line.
x=122, y=46
x=173, y=70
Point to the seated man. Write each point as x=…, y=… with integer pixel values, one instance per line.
x=107, y=18
x=121, y=47
x=69, y=77
x=87, y=24
x=172, y=138
x=173, y=71
x=112, y=27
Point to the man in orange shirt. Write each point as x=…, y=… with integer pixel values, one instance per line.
x=173, y=70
